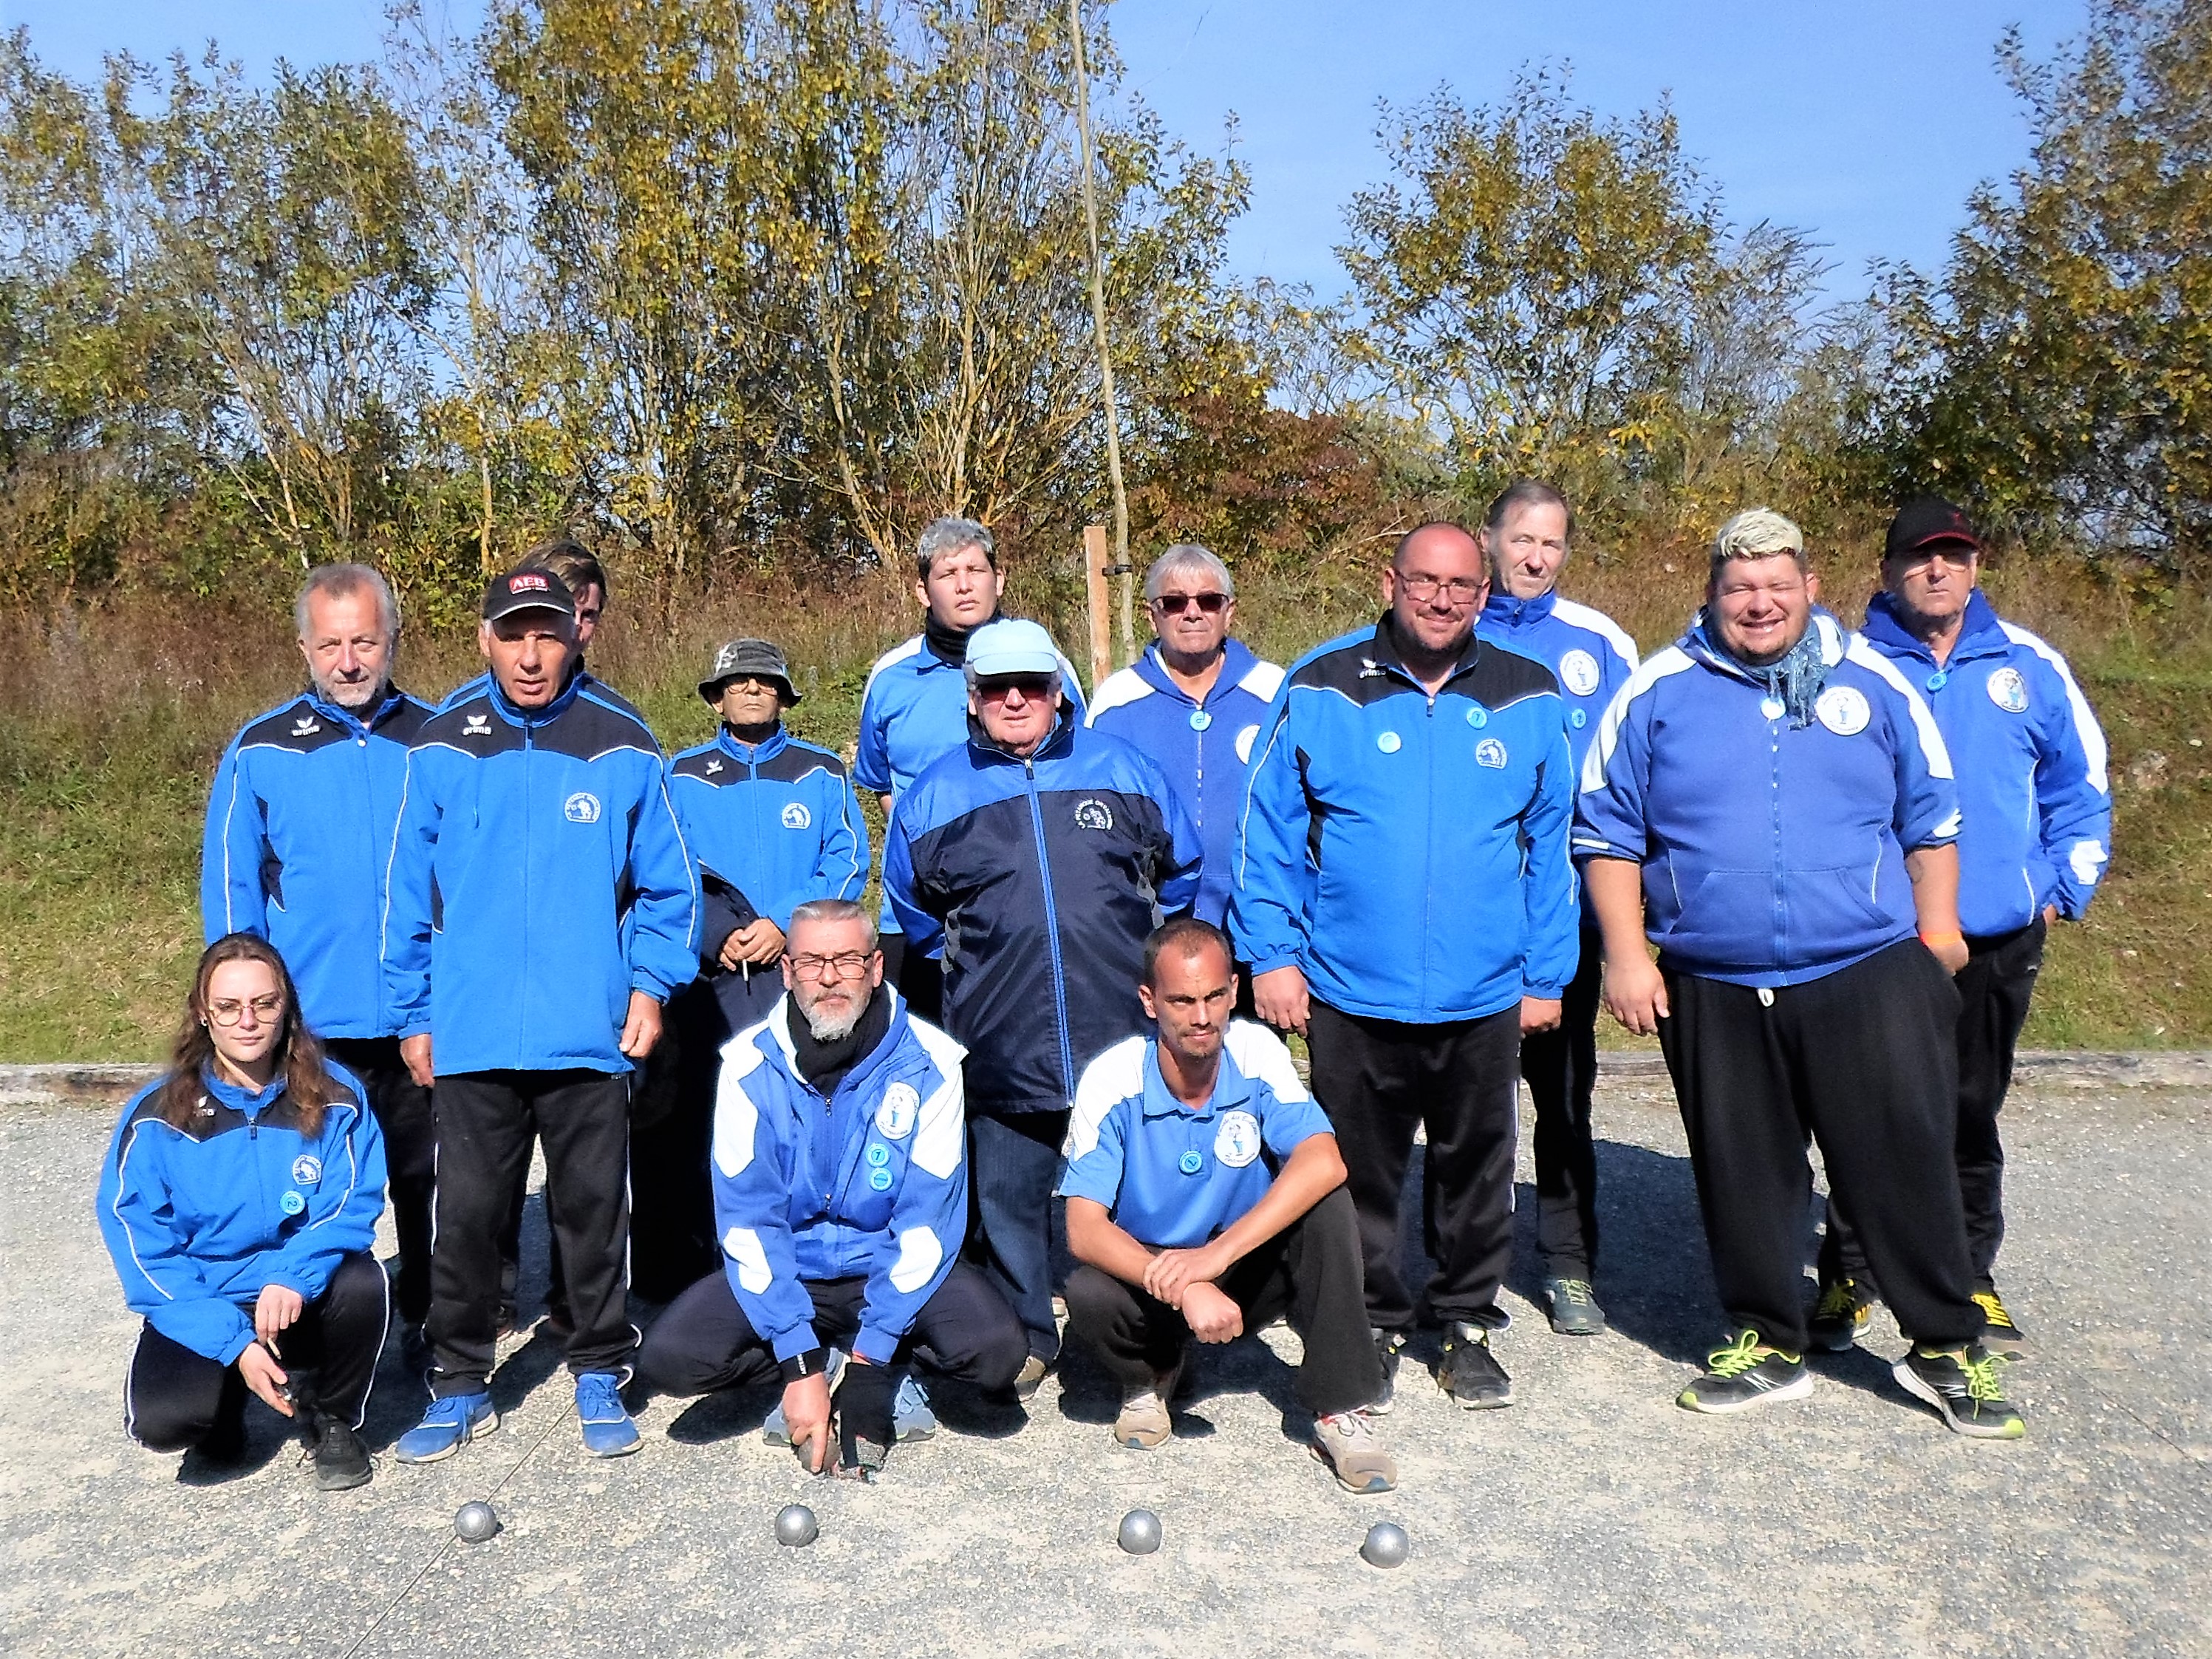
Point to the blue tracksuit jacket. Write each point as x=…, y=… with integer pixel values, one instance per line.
x=1772, y=853
x=1409, y=852
x=1587, y=654
x=914, y=710
x=2035, y=808
x=777, y=820
x=1038, y=881
x=1204, y=750
x=537, y=877
x=872, y=1182
x=199, y=1220
x=298, y=826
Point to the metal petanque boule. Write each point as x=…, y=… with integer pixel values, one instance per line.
x=795, y=1526
x=1140, y=1532
x=1385, y=1544
x=473, y=1522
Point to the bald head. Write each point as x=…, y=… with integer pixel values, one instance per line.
x=1437, y=581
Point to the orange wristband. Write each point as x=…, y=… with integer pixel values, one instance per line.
x=1936, y=941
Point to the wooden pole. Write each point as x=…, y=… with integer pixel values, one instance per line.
x=1096, y=558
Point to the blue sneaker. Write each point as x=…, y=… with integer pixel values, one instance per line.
x=450, y=1421
x=608, y=1431
x=777, y=1432
x=910, y=1413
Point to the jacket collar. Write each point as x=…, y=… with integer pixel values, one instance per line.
x=1384, y=653
x=1236, y=662
x=865, y=1070
x=1503, y=611
x=251, y=1102
x=1834, y=641
x=752, y=754
x=1978, y=631
x=529, y=717
x=389, y=704
x=1231, y=1088
x=1057, y=742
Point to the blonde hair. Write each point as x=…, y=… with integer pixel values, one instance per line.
x=1757, y=532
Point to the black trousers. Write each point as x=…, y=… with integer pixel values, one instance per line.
x=1013, y=1160
x=1379, y=1079
x=485, y=1121
x=1311, y=1271
x=702, y=1340
x=920, y=979
x=1864, y=1061
x=1560, y=1067
x=175, y=1398
x=401, y=1107
x=1994, y=987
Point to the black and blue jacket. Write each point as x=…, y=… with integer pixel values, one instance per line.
x=298, y=828
x=1773, y=853
x=539, y=877
x=1409, y=851
x=200, y=1220
x=2035, y=807
x=870, y=1183
x=1038, y=881
x=777, y=820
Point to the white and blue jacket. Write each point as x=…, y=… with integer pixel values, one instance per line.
x=777, y=820
x=298, y=826
x=200, y=1220
x=2035, y=807
x=1205, y=749
x=1588, y=654
x=872, y=1182
x=914, y=710
x=1773, y=853
x=1038, y=882
x=537, y=877
x=1173, y=1176
x=1409, y=852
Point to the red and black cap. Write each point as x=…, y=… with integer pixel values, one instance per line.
x=1928, y=521
x=527, y=590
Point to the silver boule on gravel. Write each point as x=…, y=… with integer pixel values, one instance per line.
x=795, y=1525
x=1140, y=1532
x=1387, y=1545
x=473, y=1522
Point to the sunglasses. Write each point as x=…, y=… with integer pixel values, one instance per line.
x=1173, y=604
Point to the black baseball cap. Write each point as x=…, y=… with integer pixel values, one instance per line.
x=527, y=589
x=1926, y=521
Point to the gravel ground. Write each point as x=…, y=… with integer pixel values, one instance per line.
x=1592, y=1518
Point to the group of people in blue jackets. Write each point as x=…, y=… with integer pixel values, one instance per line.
x=826, y=1139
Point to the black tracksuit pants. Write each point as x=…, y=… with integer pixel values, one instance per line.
x=401, y=1107
x=1864, y=1061
x=1379, y=1079
x=1560, y=1067
x=1994, y=987
x=1311, y=1271
x=175, y=1398
x=485, y=1123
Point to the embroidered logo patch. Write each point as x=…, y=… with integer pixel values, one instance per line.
x=1578, y=673
x=477, y=725
x=581, y=808
x=306, y=727
x=1489, y=752
x=1245, y=739
x=897, y=1111
x=1843, y=710
x=2009, y=691
x=1237, y=1142
x=795, y=815
x=307, y=1170
x=712, y=767
x=1093, y=814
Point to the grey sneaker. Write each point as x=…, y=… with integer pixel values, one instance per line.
x=1031, y=1377
x=911, y=1414
x=1387, y=1346
x=1348, y=1443
x=777, y=1432
x=1574, y=1307
x=1469, y=1372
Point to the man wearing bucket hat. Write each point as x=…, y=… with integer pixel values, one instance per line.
x=2035, y=827
x=772, y=822
x=1035, y=860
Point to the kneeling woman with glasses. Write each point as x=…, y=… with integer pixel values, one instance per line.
x=240, y=1199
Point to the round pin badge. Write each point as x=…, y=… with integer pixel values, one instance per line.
x=879, y=1155
x=291, y=1204
x=1577, y=718
x=1938, y=680
x=1388, y=743
x=1190, y=1163
x=1199, y=719
x=1770, y=706
x=1477, y=715
x=880, y=1179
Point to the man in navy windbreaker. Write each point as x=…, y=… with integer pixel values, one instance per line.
x=1770, y=800
x=1193, y=702
x=1403, y=888
x=2035, y=829
x=841, y=1198
x=541, y=907
x=1527, y=534
x=1035, y=859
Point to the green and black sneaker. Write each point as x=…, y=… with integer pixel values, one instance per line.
x=1964, y=1384
x=2000, y=1335
x=1744, y=1373
x=1840, y=1317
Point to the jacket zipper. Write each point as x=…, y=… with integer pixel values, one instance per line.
x=1052, y=935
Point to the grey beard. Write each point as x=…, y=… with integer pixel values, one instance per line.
x=332, y=693
x=833, y=1028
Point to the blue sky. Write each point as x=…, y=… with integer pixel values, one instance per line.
x=1866, y=122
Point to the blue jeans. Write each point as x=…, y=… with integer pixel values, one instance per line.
x=1013, y=1162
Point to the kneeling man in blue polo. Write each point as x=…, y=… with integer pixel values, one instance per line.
x=1205, y=1197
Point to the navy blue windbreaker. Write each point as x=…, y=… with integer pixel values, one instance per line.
x=298, y=826
x=777, y=820
x=1038, y=881
x=2035, y=807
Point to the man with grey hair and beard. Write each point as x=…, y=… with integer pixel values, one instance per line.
x=840, y=1195
x=300, y=821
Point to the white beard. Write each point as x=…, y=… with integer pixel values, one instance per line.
x=834, y=1028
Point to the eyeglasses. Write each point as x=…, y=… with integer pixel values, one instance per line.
x=1175, y=603
x=846, y=965
x=229, y=1011
x=1421, y=589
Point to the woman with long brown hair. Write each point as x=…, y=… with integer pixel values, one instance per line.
x=240, y=1199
